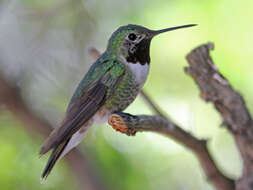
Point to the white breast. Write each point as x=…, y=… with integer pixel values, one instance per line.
x=139, y=71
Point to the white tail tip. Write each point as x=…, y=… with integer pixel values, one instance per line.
x=42, y=180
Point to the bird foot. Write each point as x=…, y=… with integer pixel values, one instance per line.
x=118, y=124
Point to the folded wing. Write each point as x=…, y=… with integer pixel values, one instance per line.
x=93, y=97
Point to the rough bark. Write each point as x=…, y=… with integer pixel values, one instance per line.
x=215, y=88
x=161, y=124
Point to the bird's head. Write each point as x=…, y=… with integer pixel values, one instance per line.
x=133, y=42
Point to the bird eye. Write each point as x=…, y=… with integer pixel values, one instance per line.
x=132, y=36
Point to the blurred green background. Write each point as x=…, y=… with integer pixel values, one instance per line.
x=44, y=49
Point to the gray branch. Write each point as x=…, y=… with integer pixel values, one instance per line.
x=161, y=124
x=215, y=88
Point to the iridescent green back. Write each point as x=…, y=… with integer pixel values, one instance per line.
x=94, y=73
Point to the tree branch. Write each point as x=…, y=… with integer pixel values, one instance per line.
x=215, y=88
x=34, y=125
x=163, y=125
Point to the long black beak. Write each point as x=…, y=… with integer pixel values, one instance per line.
x=155, y=32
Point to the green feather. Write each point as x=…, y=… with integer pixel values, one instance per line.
x=98, y=69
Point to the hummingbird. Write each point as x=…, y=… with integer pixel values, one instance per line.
x=110, y=85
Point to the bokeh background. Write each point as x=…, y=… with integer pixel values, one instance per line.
x=44, y=50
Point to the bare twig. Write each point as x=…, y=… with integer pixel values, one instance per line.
x=168, y=128
x=53, y=11
x=94, y=53
x=163, y=125
x=216, y=89
x=34, y=125
x=152, y=104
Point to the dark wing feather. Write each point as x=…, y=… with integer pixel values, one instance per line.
x=79, y=113
x=53, y=158
x=82, y=109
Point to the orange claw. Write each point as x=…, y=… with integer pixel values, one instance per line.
x=118, y=124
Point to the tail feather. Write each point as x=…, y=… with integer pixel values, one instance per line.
x=58, y=150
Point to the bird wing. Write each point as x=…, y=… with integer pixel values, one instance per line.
x=87, y=100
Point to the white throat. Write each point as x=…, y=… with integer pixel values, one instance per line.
x=139, y=71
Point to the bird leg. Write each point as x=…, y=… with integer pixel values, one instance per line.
x=122, y=122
